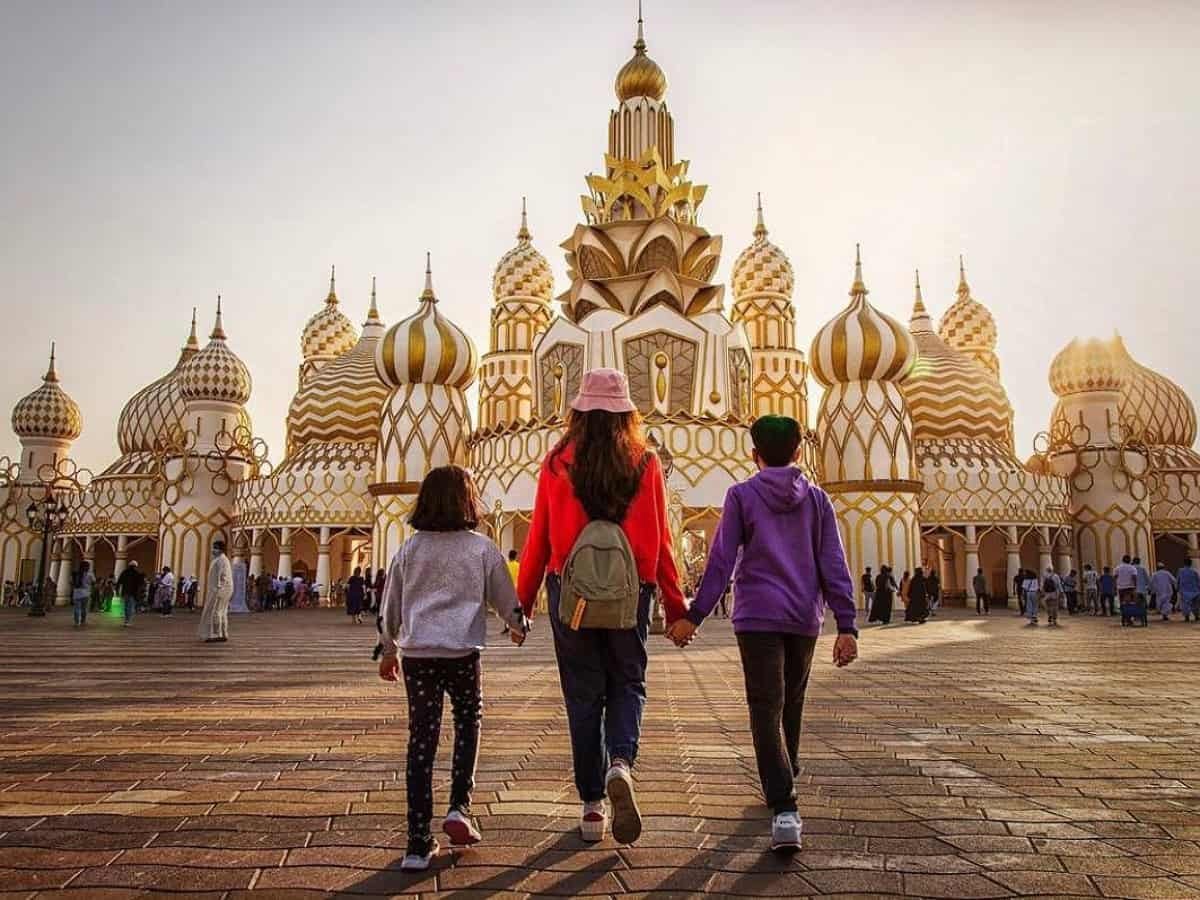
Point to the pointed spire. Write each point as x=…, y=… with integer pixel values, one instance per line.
x=428, y=295
x=918, y=300
x=964, y=290
x=523, y=235
x=373, y=312
x=332, y=298
x=858, y=288
x=51, y=376
x=920, y=320
x=760, y=227
x=218, y=332
x=640, y=44
x=193, y=342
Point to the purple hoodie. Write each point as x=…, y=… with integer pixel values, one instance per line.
x=792, y=562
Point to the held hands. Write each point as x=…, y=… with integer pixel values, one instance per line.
x=517, y=633
x=681, y=632
x=389, y=668
x=845, y=650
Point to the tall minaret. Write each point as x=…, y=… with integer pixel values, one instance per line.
x=47, y=422
x=865, y=433
x=641, y=120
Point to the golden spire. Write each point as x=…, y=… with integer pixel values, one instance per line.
x=858, y=288
x=373, y=312
x=640, y=44
x=964, y=289
x=332, y=298
x=918, y=300
x=641, y=76
x=760, y=229
x=523, y=235
x=192, y=342
x=51, y=375
x=427, y=295
x=218, y=332
x=920, y=320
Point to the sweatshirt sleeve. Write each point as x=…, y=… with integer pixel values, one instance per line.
x=721, y=559
x=667, y=575
x=536, y=552
x=391, y=610
x=499, y=592
x=836, y=585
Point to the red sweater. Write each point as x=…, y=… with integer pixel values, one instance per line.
x=559, y=517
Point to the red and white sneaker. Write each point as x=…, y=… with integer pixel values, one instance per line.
x=593, y=821
x=461, y=829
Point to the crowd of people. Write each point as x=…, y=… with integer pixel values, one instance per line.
x=919, y=593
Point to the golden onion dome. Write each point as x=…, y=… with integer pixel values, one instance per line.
x=157, y=409
x=523, y=272
x=48, y=412
x=426, y=347
x=1159, y=410
x=948, y=395
x=762, y=268
x=1082, y=367
x=968, y=325
x=641, y=76
x=215, y=373
x=341, y=402
x=328, y=333
x=860, y=343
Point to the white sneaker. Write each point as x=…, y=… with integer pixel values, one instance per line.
x=592, y=822
x=626, y=817
x=419, y=862
x=785, y=832
x=461, y=829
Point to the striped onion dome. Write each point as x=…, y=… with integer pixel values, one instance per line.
x=215, y=373
x=426, y=348
x=1162, y=411
x=968, y=325
x=1082, y=367
x=158, y=408
x=328, y=333
x=48, y=412
x=523, y=272
x=948, y=394
x=860, y=343
x=341, y=402
x=762, y=268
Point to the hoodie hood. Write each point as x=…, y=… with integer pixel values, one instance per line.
x=781, y=488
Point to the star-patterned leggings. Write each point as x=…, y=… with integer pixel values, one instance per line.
x=425, y=681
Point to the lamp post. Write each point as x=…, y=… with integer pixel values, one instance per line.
x=47, y=515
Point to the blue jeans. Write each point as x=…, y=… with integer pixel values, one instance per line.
x=81, y=605
x=128, y=603
x=603, y=677
x=1031, y=605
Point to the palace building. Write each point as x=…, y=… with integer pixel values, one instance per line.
x=912, y=436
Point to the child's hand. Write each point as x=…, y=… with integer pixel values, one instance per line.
x=682, y=632
x=389, y=668
x=845, y=650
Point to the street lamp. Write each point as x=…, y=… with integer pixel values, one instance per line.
x=47, y=515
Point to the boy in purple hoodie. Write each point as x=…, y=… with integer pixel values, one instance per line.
x=792, y=566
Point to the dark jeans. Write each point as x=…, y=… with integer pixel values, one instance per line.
x=603, y=677
x=425, y=682
x=776, y=668
x=983, y=604
x=128, y=603
x=1106, y=604
x=81, y=609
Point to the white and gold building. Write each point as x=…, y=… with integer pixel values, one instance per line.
x=912, y=437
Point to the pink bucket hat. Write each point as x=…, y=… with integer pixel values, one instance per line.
x=605, y=389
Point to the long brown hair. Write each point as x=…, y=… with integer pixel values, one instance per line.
x=609, y=449
x=448, y=501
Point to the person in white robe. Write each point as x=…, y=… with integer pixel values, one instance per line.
x=1162, y=587
x=238, y=603
x=214, y=621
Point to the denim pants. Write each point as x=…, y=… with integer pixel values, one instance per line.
x=81, y=609
x=1031, y=605
x=128, y=602
x=776, y=668
x=603, y=676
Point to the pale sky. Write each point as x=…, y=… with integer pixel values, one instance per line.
x=156, y=154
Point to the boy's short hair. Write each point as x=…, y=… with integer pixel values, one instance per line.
x=448, y=501
x=512, y=554
x=776, y=439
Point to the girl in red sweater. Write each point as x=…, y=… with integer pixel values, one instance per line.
x=601, y=469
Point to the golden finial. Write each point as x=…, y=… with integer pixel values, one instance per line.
x=523, y=235
x=51, y=375
x=192, y=342
x=858, y=288
x=332, y=298
x=640, y=44
x=963, y=289
x=373, y=312
x=428, y=294
x=218, y=332
x=760, y=229
x=918, y=300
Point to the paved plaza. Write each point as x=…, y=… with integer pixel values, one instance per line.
x=964, y=758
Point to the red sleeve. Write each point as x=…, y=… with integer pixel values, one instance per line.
x=668, y=575
x=536, y=552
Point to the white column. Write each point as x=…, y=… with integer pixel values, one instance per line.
x=1012, y=550
x=53, y=557
x=1064, y=562
x=255, y=568
x=121, y=555
x=1194, y=548
x=89, y=552
x=946, y=565
x=62, y=596
x=323, y=570
x=971, y=551
x=285, y=553
x=1045, y=560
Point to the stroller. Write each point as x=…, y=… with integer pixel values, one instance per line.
x=1132, y=613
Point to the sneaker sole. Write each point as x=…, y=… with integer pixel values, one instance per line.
x=460, y=833
x=626, y=817
x=785, y=847
x=592, y=832
x=416, y=867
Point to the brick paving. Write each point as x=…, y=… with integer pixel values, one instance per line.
x=964, y=758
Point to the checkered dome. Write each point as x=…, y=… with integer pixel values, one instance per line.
x=48, y=412
x=216, y=372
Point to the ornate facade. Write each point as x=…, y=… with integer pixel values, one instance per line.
x=912, y=437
